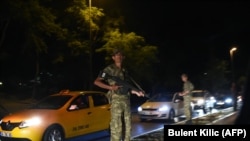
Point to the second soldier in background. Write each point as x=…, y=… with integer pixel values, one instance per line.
x=188, y=87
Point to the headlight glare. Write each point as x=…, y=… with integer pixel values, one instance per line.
x=201, y=101
x=139, y=109
x=30, y=122
x=164, y=108
x=228, y=100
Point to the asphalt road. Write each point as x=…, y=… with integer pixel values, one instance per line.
x=138, y=128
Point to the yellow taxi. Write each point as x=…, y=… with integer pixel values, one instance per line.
x=59, y=116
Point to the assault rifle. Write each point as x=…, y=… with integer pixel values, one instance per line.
x=126, y=87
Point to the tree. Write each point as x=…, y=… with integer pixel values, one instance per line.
x=243, y=117
x=140, y=57
x=34, y=24
x=83, y=32
x=215, y=78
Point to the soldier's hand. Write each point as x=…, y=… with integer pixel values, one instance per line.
x=114, y=87
x=140, y=93
x=180, y=94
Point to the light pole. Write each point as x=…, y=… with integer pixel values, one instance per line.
x=233, y=87
x=232, y=50
x=90, y=5
x=90, y=48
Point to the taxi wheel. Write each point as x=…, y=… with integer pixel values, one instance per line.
x=53, y=133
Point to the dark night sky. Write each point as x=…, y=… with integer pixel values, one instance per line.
x=188, y=34
x=192, y=30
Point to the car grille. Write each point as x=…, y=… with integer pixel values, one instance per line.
x=8, y=126
x=150, y=116
x=153, y=116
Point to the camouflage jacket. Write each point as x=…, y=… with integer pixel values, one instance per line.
x=115, y=71
x=188, y=86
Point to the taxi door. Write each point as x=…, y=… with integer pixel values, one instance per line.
x=100, y=108
x=80, y=117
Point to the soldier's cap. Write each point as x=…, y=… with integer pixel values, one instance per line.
x=116, y=51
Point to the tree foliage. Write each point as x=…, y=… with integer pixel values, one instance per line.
x=216, y=79
x=139, y=56
x=38, y=22
x=54, y=31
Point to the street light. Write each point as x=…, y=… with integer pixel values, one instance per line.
x=233, y=88
x=232, y=50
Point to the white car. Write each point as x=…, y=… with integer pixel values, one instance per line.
x=162, y=106
x=202, y=99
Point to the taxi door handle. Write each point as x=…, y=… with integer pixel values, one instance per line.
x=89, y=113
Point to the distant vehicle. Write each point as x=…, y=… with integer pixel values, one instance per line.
x=239, y=101
x=224, y=101
x=162, y=106
x=202, y=99
x=59, y=116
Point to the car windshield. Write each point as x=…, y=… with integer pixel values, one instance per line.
x=197, y=94
x=52, y=102
x=161, y=98
x=222, y=97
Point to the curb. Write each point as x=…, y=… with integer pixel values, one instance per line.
x=222, y=118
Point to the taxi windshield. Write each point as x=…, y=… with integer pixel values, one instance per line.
x=52, y=102
x=197, y=94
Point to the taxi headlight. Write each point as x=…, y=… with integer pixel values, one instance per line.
x=139, y=109
x=201, y=101
x=164, y=108
x=30, y=122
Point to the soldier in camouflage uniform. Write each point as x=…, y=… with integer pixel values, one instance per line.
x=187, y=96
x=120, y=100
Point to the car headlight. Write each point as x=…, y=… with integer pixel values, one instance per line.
x=239, y=98
x=201, y=101
x=30, y=122
x=139, y=109
x=228, y=100
x=212, y=99
x=164, y=108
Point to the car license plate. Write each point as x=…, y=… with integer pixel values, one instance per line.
x=5, y=134
x=149, y=113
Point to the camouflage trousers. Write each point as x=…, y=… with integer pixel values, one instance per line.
x=187, y=107
x=120, y=124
